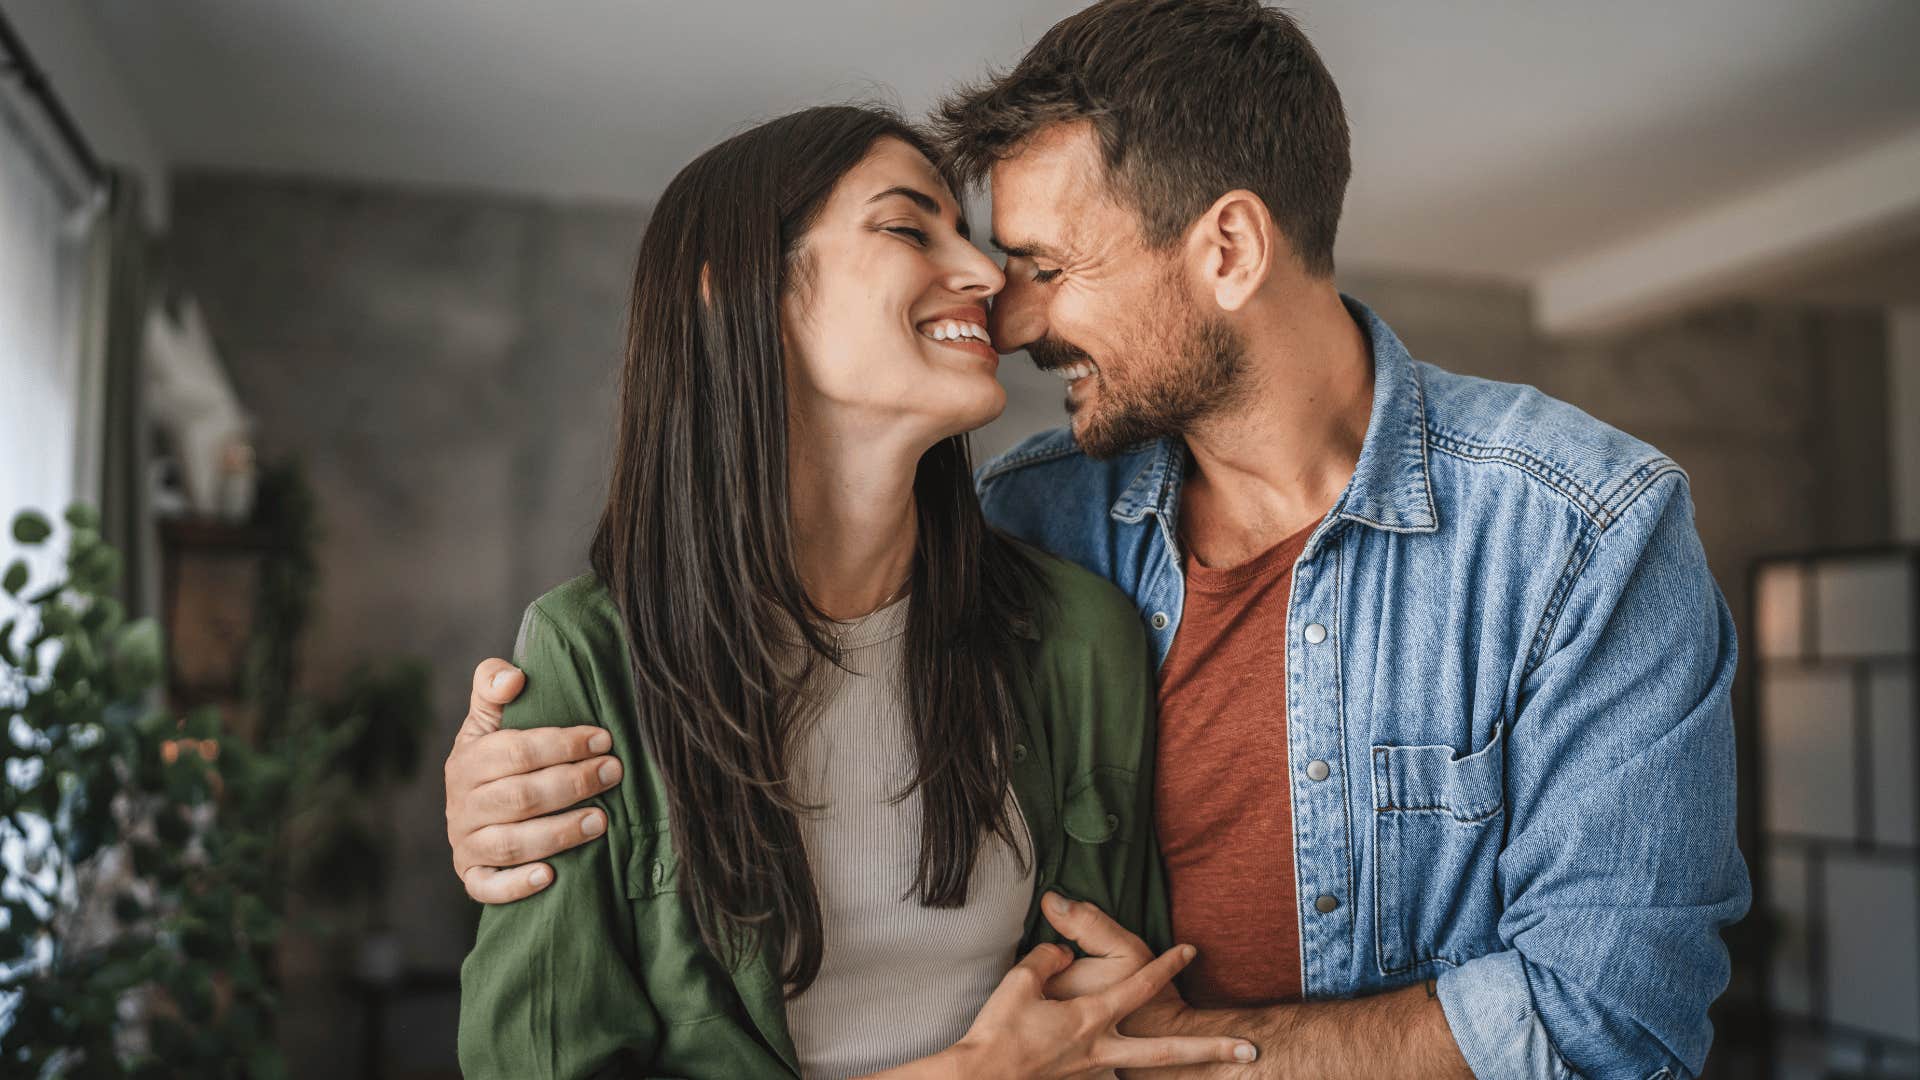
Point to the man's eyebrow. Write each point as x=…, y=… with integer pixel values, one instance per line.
x=922, y=200
x=1025, y=250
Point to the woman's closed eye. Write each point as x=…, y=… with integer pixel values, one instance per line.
x=918, y=236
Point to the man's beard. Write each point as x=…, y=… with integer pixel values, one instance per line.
x=1200, y=375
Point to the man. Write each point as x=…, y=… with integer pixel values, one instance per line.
x=1446, y=756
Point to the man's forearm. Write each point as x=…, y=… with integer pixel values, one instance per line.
x=1398, y=1035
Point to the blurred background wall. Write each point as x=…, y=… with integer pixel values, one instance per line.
x=411, y=229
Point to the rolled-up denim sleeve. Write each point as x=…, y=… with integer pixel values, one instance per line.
x=1620, y=867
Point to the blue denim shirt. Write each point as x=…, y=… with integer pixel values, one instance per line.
x=1504, y=640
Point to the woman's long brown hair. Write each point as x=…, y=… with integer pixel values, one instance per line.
x=696, y=547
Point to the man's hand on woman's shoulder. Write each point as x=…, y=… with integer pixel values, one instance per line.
x=508, y=791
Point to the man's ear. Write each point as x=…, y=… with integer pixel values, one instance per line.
x=1236, y=244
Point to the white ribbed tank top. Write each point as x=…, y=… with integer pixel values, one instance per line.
x=898, y=981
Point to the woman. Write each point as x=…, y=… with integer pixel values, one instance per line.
x=864, y=732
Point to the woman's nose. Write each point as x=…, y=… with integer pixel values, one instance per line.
x=976, y=275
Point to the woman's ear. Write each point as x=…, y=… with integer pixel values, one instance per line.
x=706, y=284
x=1235, y=244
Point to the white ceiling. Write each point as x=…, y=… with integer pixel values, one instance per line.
x=1491, y=137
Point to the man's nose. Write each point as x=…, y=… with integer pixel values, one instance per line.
x=1018, y=317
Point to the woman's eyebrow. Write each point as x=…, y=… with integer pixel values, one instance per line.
x=919, y=198
x=922, y=200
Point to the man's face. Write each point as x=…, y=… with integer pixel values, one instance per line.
x=1142, y=355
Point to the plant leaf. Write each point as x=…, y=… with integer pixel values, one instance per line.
x=137, y=656
x=83, y=516
x=31, y=527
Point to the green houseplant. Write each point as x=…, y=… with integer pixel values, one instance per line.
x=147, y=860
x=134, y=910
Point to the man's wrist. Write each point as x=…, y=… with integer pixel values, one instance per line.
x=1169, y=1015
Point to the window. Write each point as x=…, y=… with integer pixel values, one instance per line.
x=43, y=384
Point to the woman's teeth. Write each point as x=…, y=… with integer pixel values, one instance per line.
x=1078, y=370
x=954, y=331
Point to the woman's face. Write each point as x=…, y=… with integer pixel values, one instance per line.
x=885, y=328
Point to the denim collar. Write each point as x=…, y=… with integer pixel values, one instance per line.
x=1390, y=489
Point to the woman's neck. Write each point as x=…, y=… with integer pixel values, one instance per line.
x=855, y=523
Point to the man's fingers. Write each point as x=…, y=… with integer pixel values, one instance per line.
x=1029, y=976
x=522, y=796
x=526, y=841
x=491, y=886
x=1092, y=929
x=1137, y=989
x=1125, y=1053
x=495, y=682
x=515, y=751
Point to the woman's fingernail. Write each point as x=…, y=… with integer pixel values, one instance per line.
x=610, y=772
x=500, y=677
x=1061, y=905
x=1245, y=1052
x=540, y=876
x=600, y=742
x=1187, y=952
x=593, y=824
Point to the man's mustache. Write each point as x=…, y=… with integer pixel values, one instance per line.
x=1050, y=353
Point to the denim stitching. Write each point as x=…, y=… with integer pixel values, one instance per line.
x=1379, y=912
x=1448, y=810
x=1426, y=427
x=1134, y=505
x=1581, y=499
x=1590, y=542
x=1577, y=560
x=1023, y=458
x=1459, y=442
x=1631, y=497
x=1340, y=713
x=1417, y=961
x=1546, y=469
x=1419, y=427
x=1635, y=482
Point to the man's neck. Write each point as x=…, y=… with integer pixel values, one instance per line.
x=1275, y=461
x=854, y=516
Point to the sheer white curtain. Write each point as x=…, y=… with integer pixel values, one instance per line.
x=48, y=400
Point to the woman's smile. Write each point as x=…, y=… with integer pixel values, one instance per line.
x=964, y=329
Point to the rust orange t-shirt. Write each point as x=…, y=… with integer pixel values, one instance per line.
x=1223, y=799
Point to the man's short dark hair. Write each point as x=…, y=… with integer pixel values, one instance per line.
x=1189, y=99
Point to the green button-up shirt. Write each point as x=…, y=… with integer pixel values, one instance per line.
x=604, y=973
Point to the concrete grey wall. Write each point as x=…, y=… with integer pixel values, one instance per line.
x=444, y=362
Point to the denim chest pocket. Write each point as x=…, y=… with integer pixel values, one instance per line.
x=1438, y=822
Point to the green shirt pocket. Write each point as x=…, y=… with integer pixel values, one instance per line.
x=1099, y=804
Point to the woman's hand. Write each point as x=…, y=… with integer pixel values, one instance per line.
x=1110, y=953
x=1021, y=1032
